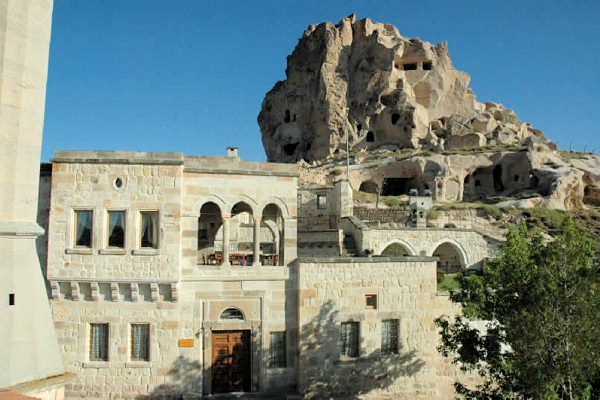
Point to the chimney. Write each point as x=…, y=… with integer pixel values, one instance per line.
x=232, y=151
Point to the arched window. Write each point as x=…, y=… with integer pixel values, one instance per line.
x=232, y=313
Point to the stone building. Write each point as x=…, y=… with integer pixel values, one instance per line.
x=171, y=273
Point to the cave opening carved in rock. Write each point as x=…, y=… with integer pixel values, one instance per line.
x=401, y=186
x=369, y=187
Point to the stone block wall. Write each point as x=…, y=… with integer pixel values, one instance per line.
x=86, y=180
x=471, y=247
x=120, y=377
x=332, y=292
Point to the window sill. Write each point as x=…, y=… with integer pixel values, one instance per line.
x=113, y=251
x=138, y=364
x=96, y=364
x=145, y=252
x=80, y=250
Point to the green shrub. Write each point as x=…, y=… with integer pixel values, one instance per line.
x=440, y=276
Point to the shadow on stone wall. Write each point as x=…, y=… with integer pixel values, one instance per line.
x=325, y=374
x=185, y=376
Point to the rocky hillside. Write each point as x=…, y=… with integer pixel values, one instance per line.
x=411, y=121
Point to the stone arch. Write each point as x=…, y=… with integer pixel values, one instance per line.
x=232, y=314
x=399, y=242
x=283, y=208
x=210, y=221
x=211, y=198
x=242, y=198
x=271, y=252
x=453, y=256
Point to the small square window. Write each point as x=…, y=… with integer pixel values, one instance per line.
x=321, y=201
x=140, y=335
x=389, y=336
x=149, y=229
x=371, y=301
x=83, y=228
x=99, y=342
x=116, y=229
x=350, y=339
x=277, y=350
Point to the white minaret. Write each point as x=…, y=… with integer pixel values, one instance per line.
x=28, y=346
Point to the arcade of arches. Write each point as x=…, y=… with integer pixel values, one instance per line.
x=240, y=238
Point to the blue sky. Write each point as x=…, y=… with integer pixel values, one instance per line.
x=190, y=75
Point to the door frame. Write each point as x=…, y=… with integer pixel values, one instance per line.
x=254, y=328
x=247, y=335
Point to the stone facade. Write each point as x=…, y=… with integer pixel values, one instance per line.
x=166, y=287
x=230, y=261
x=334, y=291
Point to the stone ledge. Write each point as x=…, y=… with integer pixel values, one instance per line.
x=75, y=250
x=365, y=260
x=145, y=252
x=96, y=364
x=45, y=383
x=117, y=252
x=22, y=229
x=138, y=364
x=118, y=157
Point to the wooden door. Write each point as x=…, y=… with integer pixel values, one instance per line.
x=231, y=361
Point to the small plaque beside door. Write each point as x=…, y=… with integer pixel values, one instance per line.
x=186, y=342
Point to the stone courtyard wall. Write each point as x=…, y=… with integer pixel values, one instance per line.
x=471, y=245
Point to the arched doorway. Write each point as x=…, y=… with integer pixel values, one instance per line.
x=451, y=260
x=209, y=224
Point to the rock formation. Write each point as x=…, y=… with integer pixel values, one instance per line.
x=411, y=122
x=365, y=83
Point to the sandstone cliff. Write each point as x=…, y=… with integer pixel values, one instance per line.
x=411, y=122
x=364, y=82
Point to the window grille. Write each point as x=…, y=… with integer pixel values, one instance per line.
x=389, y=336
x=83, y=228
x=321, y=201
x=277, y=350
x=99, y=342
x=232, y=313
x=140, y=334
x=350, y=339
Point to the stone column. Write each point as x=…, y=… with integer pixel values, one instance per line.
x=226, y=222
x=257, y=219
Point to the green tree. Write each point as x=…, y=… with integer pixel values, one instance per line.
x=542, y=332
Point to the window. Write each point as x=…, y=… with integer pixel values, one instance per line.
x=389, y=336
x=149, y=229
x=232, y=313
x=277, y=350
x=350, y=339
x=83, y=228
x=116, y=229
x=371, y=301
x=140, y=335
x=99, y=342
x=321, y=201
